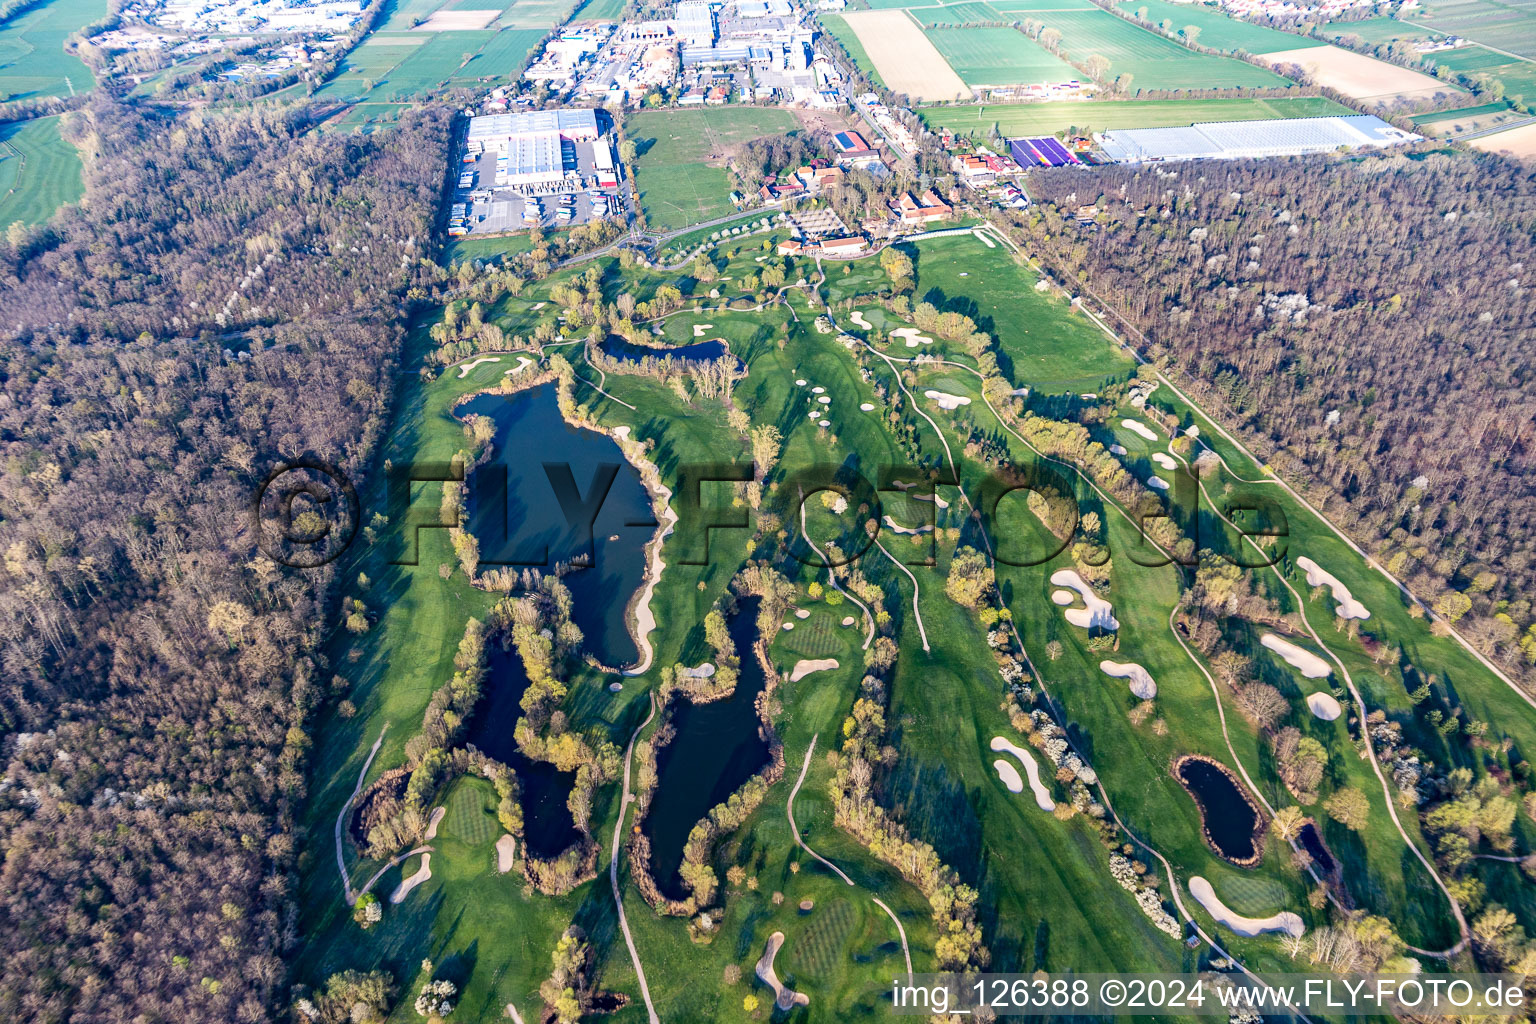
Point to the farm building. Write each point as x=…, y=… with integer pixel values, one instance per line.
x=1233, y=140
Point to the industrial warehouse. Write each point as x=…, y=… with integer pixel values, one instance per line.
x=1234, y=140
x=514, y=162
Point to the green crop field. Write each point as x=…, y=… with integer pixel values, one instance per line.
x=600, y=10
x=1505, y=26
x=1154, y=62
x=545, y=14
x=32, y=58
x=1216, y=30
x=965, y=13
x=39, y=171
x=999, y=56
x=680, y=158
x=1375, y=30
x=1518, y=76
x=1017, y=7
x=396, y=67
x=1013, y=120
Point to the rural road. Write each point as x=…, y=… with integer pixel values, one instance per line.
x=613, y=866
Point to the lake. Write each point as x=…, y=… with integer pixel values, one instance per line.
x=1230, y=820
x=547, y=825
x=715, y=748
x=523, y=523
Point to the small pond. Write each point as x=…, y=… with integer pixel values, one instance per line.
x=1313, y=844
x=699, y=351
x=533, y=447
x=715, y=748
x=547, y=825
x=1231, y=821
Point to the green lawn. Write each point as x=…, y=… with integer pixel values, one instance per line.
x=965, y=13
x=680, y=169
x=1216, y=30
x=999, y=56
x=1518, y=76
x=39, y=171
x=1376, y=30
x=1154, y=62
x=32, y=58
x=1013, y=120
x=600, y=10
x=396, y=67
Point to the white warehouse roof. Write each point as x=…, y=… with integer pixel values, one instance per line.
x=1239, y=139
x=581, y=122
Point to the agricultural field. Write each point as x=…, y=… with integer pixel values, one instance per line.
x=365, y=117
x=966, y=13
x=32, y=58
x=1504, y=26
x=907, y=62
x=999, y=56
x=39, y=171
x=1215, y=29
x=1375, y=31
x=1154, y=62
x=599, y=10
x=1014, y=120
x=845, y=35
x=1518, y=76
x=681, y=154
x=397, y=66
x=1361, y=77
x=1517, y=142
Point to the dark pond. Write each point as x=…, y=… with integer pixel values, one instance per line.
x=716, y=747
x=547, y=825
x=1230, y=819
x=1313, y=844
x=516, y=513
x=699, y=351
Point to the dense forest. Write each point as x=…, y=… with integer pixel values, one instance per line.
x=228, y=295
x=1367, y=324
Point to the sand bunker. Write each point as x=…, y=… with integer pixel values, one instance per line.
x=800, y=383
x=1142, y=684
x=783, y=998
x=824, y=400
x=703, y=671
x=1116, y=449
x=866, y=407
x=1157, y=483
x=801, y=613
x=1324, y=706
x=1042, y=793
x=818, y=390
x=422, y=874
x=1099, y=613
x=506, y=846
x=1309, y=664
x=804, y=668
x=912, y=336
x=1010, y=775
x=859, y=321
x=1348, y=607
x=824, y=423
x=1063, y=598
x=938, y=501
x=523, y=362
x=896, y=527
x=788, y=626
x=946, y=400
x=1285, y=921
x=1165, y=460
x=1139, y=428
x=849, y=620
x=464, y=370
x=434, y=821
x=1192, y=430
x=699, y=329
